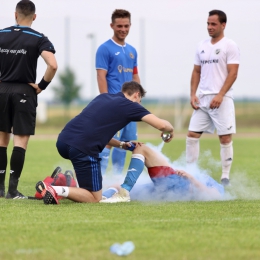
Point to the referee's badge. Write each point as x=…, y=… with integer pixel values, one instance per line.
x=131, y=55
x=217, y=51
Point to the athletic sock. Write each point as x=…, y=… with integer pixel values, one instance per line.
x=134, y=170
x=3, y=165
x=118, y=160
x=192, y=149
x=109, y=192
x=61, y=191
x=226, y=155
x=104, y=155
x=16, y=167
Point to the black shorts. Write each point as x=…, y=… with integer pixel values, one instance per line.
x=18, y=103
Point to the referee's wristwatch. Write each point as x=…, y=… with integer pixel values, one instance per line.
x=121, y=145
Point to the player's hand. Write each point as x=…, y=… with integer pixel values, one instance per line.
x=216, y=101
x=194, y=101
x=36, y=87
x=167, y=137
x=184, y=174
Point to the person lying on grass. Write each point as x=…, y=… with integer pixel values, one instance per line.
x=167, y=183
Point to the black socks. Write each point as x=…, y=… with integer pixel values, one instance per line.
x=16, y=167
x=3, y=165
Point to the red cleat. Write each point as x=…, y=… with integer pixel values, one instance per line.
x=48, y=193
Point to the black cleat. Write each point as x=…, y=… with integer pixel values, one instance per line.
x=16, y=195
x=225, y=182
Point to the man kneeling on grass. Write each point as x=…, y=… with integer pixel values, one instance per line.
x=167, y=183
x=85, y=136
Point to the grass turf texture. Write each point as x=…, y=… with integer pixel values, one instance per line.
x=176, y=230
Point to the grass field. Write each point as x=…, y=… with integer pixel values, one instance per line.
x=168, y=230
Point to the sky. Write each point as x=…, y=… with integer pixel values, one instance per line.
x=165, y=34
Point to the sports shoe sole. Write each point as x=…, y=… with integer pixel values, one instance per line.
x=48, y=197
x=56, y=171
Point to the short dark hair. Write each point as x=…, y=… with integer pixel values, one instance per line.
x=120, y=13
x=222, y=17
x=25, y=7
x=132, y=87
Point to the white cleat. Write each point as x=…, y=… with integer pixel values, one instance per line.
x=121, y=196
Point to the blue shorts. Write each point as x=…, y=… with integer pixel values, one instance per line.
x=128, y=133
x=87, y=168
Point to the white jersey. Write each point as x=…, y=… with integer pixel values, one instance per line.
x=213, y=59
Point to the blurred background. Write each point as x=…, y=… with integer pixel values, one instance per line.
x=165, y=34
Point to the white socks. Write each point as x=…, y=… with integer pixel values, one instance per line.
x=192, y=149
x=226, y=155
x=61, y=191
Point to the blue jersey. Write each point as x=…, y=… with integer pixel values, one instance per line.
x=93, y=128
x=119, y=62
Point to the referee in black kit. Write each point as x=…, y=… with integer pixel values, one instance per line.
x=20, y=47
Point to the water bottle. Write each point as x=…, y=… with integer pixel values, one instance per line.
x=125, y=249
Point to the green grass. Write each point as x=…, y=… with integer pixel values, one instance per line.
x=176, y=230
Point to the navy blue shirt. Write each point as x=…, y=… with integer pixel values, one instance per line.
x=93, y=128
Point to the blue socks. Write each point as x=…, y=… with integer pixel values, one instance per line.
x=134, y=170
x=109, y=192
x=104, y=155
x=118, y=160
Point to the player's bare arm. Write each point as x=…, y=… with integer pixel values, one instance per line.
x=159, y=124
x=211, y=192
x=102, y=81
x=136, y=78
x=52, y=67
x=195, y=79
x=231, y=78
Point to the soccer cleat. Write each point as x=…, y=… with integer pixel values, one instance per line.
x=59, y=180
x=48, y=193
x=16, y=195
x=121, y=196
x=56, y=171
x=225, y=182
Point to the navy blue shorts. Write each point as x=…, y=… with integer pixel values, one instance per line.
x=87, y=168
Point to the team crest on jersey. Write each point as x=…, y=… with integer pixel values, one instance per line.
x=217, y=51
x=120, y=68
x=131, y=55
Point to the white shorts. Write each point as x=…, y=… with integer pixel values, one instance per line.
x=207, y=120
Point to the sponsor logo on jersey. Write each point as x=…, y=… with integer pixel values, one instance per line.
x=22, y=100
x=217, y=51
x=209, y=61
x=121, y=68
x=117, y=53
x=131, y=55
x=202, y=51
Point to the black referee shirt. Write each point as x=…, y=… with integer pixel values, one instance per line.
x=20, y=48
